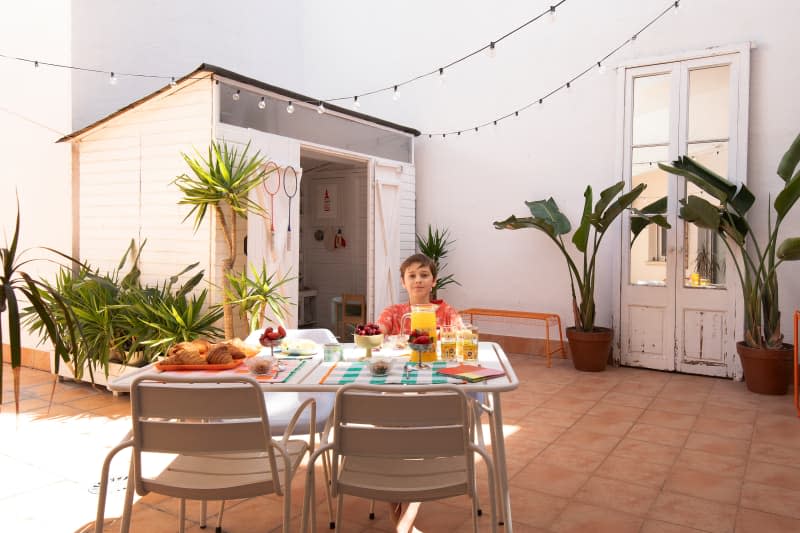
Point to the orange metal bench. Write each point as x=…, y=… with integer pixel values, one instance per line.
x=550, y=319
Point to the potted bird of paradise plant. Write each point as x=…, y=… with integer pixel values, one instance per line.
x=762, y=351
x=590, y=344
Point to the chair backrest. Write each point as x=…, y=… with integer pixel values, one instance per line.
x=199, y=415
x=415, y=422
x=354, y=300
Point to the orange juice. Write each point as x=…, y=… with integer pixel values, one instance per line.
x=448, y=343
x=468, y=344
x=423, y=318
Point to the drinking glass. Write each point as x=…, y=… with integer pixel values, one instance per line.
x=448, y=342
x=467, y=343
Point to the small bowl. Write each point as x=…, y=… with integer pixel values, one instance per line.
x=259, y=365
x=380, y=366
x=368, y=342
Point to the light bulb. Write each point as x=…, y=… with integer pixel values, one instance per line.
x=262, y=103
x=290, y=108
x=236, y=95
x=396, y=94
x=441, y=77
x=567, y=86
x=541, y=101
x=172, y=82
x=356, y=103
x=36, y=64
x=112, y=79
x=552, y=13
x=601, y=68
x=491, y=50
x=321, y=107
x=677, y=5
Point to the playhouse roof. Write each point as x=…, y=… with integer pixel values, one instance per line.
x=212, y=70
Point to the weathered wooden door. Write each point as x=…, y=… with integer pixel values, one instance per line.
x=680, y=303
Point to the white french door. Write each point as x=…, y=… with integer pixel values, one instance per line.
x=680, y=303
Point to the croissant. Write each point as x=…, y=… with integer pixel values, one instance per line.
x=196, y=347
x=239, y=350
x=224, y=353
x=185, y=357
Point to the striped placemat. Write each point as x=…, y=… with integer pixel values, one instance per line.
x=400, y=373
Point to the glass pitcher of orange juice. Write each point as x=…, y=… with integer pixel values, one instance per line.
x=423, y=318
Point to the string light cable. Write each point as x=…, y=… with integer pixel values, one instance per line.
x=599, y=64
x=394, y=88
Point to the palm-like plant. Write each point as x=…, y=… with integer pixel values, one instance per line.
x=258, y=292
x=14, y=282
x=548, y=218
x=758, y=264
x=436, y=245
x=220, y=182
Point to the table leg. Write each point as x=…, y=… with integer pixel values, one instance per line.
x=501, y=471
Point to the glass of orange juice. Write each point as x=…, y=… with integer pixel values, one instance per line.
x=448, y=342
x=467, y=343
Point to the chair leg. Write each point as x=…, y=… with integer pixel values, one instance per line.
x=287, y=500
x=219, y=517
x=203, y=513
x=182, y=516
x=326, y=470
x=372, y=509
x=339, y=511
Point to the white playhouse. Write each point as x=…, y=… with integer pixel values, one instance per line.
x=345, y=229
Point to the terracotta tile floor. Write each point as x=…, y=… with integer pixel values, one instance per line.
x=624, y=450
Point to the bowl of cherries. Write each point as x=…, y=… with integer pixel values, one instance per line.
x=368, y=336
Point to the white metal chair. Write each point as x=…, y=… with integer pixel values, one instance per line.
x=408, y=445
x=215, y=433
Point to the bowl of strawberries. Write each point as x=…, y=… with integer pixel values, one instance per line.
x=421, y=341
x=368, y=336
x=272, y=337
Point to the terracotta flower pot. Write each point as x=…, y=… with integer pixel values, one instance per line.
x=765, y=370
x=590, y=349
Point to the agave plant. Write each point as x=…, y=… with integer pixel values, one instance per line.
x=436, y=245
x=548, y=218
x=758, y=264
x=14, y=282
x=222, y=182
x=258, y=292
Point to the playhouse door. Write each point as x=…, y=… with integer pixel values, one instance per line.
x=279, y=250
x=384, y=256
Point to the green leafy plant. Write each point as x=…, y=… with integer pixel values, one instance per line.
x=221, y=182
x=548, y=218
x=257, y=293
x=16, y=283
x=436, y=245
x=758, y=262
x=121, y=319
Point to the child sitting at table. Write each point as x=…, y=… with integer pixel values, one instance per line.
x=418, y=276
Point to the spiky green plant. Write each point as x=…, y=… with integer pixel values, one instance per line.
x=757, y=266
x=548, y=218
x=16, y=283
x=257, y=293
x=222, y=181
x=436, y=245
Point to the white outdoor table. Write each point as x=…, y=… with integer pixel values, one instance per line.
x=490, y=354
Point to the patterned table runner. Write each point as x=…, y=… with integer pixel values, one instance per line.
x=400, y=373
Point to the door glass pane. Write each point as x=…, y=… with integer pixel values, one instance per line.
x=704, y=253
x=648, y=257
x=651, y=109
x=709, y=103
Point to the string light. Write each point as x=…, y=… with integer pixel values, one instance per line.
x=396, y=94
x=356, y=103
x=236, y=95
x=492, y=51
x=262, y=103
x=552, y=12
x=112, y=79
x=601, y=68
x=441, y=76
x=599, y=64
x=321, y=107
x=172, y=82
x=36, y=64
x=290, y=108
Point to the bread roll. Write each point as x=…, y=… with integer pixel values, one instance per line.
x=224, y=351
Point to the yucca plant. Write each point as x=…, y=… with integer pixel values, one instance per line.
x=757, y=261
x=16, y=283
x=548, y=218
x=221, y=182
x=257, y=293
x=436, y=245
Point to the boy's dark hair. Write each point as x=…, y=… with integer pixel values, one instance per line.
x=422, y=259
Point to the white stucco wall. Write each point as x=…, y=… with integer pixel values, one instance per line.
x=34, y=112
x=334, y=49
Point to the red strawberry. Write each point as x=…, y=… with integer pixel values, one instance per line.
x=422, y=339
x=281, y=332
x=273, y=335
x=268, y=330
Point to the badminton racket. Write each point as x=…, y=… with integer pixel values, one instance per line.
x=272, y=169
x=290, y=182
